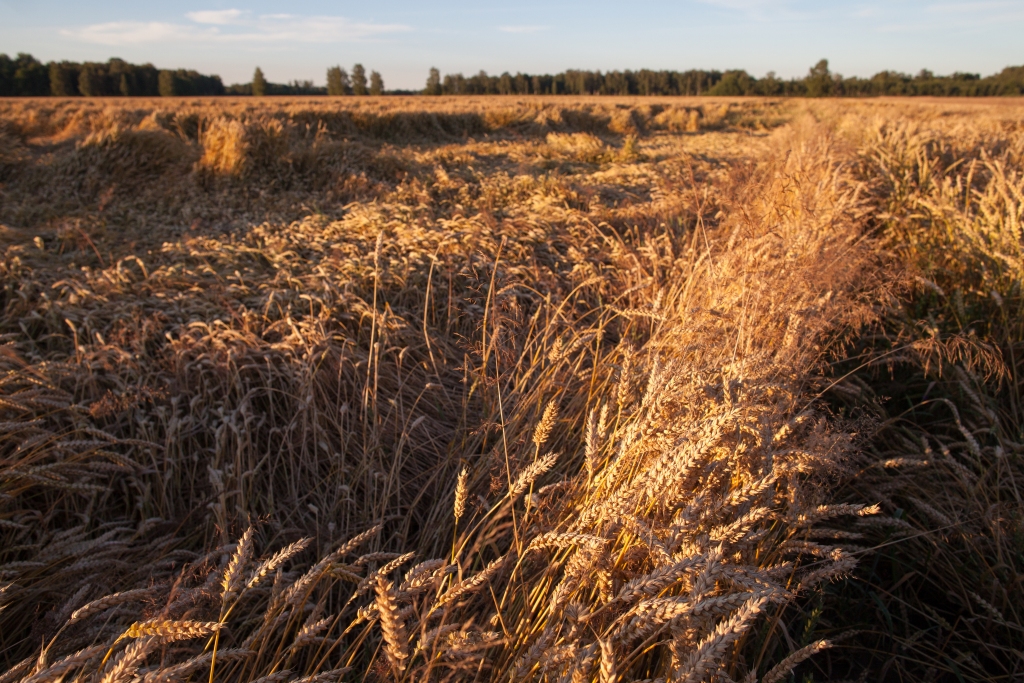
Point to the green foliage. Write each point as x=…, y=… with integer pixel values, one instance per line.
x=23, y=76
x=63, y=79
x=291, y=88
x=113, y=78
x=96, y=79
x=819, y=80
x=259, y=83
x=90, y=83
x=338, y=82
x=188, y=83
x=26, y=76
x=734, y=83
x=579, y=82
x=359, y=80
x=433, y=83
x=376, y=83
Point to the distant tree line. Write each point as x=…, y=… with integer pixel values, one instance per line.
x=26, y=76
x=339, y=82
x=260, y=87
x=819, y=82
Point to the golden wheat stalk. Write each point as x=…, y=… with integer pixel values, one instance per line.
x=430, y=638
x=179, y=671
x=461, y=493
x=311, y=629
x=590, y=451
x=706, y=657
x=391, y=624
x=651, y=615
x=276, y=677
x=782, y=669
x=384, y=570
x=655, y=581
x=169, y=631
x=607, y=672
x=422, y=574
x=16, y=670
x=359, y=539
x=468, y=586
x=530, y=473
x=235, y=571
x=124, y=667
x=270, y=565
x=106, y=602
x=324, y=676
x=61, y=667
x=547, y=421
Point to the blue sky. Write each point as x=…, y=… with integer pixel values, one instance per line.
x=403, y=38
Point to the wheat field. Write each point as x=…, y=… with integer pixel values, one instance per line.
x=511, y=389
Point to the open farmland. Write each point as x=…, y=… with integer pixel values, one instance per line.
x=552, y=389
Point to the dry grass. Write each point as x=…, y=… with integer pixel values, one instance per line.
x=945, y=385
x=489, y=388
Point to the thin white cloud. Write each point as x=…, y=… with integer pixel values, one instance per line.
x=957, y=7
x=131, y=33
x=960, y=16
x=219, y=17
x=523, y=29
x=233, y=26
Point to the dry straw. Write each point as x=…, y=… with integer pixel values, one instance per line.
x=338, y=372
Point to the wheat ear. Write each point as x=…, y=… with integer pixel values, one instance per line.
x=395, y=638
x=780, y=670
x=275, y=677
x=547, y=421
x=357, y=541
x=107, y=602
x=608, y=674
x=469, y=585
x=232, y=581
x=705, y=658
x=124, y=668
x=269, y=566
x=177, y=671
x=60, y=667
x=324, y=676
x=530, y=473
x=170, y=631
x=461, y=493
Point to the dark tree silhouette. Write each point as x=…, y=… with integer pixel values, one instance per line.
x=89, y=81
x=819, y=80
x=184, y=83
x=358, y=80
x=25, y=76
x=505, y=86
x=433, y=83
x=259, y=83
x=338, y=82
x=63, y=79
